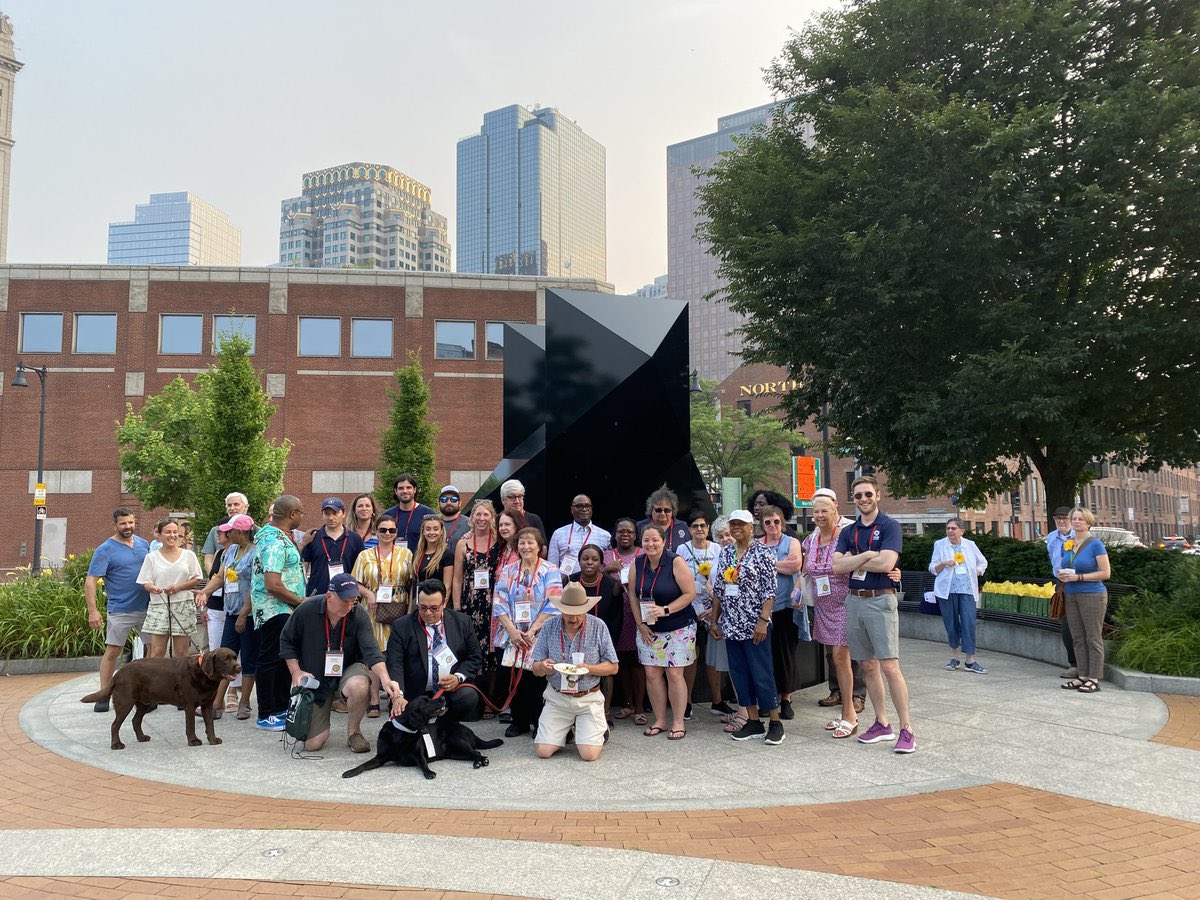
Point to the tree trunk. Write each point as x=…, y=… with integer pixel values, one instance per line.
x=1061, y=480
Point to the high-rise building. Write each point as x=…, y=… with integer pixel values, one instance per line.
x=363, y=215
x=531, y=197
x=655, y=290
x=9, y=67
x=177, y=229
x=691, y=269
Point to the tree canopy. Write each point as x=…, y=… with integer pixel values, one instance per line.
x=190, y=446
x=970, y=230
x=407, y=443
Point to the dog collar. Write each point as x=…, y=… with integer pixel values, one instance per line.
x=396, y=722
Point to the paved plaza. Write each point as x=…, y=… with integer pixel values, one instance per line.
x=1017, y=789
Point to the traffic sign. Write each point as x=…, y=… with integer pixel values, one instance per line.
x=806, y=478
x=39, y=494
x=41, y=512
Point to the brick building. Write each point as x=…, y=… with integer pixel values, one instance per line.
x=327, y=342
x=1152, y=504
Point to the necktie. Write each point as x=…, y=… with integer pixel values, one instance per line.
x=434, y=646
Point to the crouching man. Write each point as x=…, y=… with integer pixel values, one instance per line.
x=330, y=637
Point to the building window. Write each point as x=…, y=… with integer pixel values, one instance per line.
x=180, y=334
x=495, y=341
x=320, y=336
x=96, y=333
x=41, y=332
x=242, y=326
x=454, y=340
x=371, y=337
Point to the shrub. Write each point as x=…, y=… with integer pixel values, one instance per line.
x=46, y=616
x=1161, y=632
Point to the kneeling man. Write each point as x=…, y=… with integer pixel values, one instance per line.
x=330, y=637
x=435, y=648
x=577, y=639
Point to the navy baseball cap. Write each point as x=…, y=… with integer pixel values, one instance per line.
x=334, y=503
x=344, y=586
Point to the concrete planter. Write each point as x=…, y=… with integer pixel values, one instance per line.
x=48, y=666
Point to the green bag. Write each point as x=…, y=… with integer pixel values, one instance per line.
x=299, y=713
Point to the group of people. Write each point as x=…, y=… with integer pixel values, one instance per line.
x=559, y=635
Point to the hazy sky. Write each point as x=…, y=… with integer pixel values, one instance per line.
x=235, y=99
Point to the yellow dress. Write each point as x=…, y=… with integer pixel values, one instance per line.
x=395, y=570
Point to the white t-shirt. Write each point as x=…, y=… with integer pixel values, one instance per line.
x=160, y=572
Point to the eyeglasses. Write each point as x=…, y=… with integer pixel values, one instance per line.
x=428, y=516
x=696, y=525
x=861, y=494
x=581, y=506
x=772, y=521
x=516, y=497
x=447, y=497
x=431, y=609
x=386, y=530
x=663, y=509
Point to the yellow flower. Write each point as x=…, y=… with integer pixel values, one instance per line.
x=959, y=558
x=704, y=568
x=230, y=575
x=1069, y=544
x=730, y=575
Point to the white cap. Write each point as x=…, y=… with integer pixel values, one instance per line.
x=825, y=492
x=741, y=515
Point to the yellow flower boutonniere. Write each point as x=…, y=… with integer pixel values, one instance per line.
x=731, y=575
x=705, y=568
x=1069, y=544
x=230, y=575
x=959, y=558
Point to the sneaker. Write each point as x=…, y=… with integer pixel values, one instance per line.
x=721, y=709
x=975, y=667
x=905, y=743
x=100, y=706
x=358, y=743
x=272, y=723
x=877, y=733
x=952, y=665
x=687, y=713
x=775, y=733
x=752, y=729
x=785, y=710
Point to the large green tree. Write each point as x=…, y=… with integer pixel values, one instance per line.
x=970, y=231
x=407, y=443
x=728, y=442
x=191, y=445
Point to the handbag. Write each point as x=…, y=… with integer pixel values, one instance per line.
x=1058, y=603
x=299, y=713
x=511, y=658
x=387, y=613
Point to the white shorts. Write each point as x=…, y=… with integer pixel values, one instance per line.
x=561, y=711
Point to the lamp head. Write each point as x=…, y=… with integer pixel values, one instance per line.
x=19, y=379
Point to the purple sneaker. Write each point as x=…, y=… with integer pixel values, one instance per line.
x=877, y=733
x=906, y=743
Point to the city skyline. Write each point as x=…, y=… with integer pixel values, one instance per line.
x=220, y=114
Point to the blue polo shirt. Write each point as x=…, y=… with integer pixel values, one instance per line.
x=119, y=564
x=321, y=550
x=409, y=523
x=882, y=534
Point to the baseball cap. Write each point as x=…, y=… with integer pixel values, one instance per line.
x=333, y=503
x=741, y=515
x=450, y=489
x=344, y=586
x=239, y=522
x=825, y=492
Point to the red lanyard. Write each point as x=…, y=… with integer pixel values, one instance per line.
x=642, y=581
x=856, y=531
x=737, y=563
x=407, y=522
x=564, y=646
x=475, y=546
x=325, y=547
x=571, y=537
x=342, y=640
x=430, y=632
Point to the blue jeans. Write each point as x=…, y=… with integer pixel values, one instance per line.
x=958, y=612
x=752, y=673
x=245, y=644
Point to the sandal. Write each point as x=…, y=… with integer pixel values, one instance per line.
x=676, y=735
x=231, y=703
x=845, y=729
x=623, y=713
x=1089, y=687
x=488, y=714
x=373, y=711
x=653, y=731
x=243, y=711
x=1074, y=684
x=832, y=726
x=736, y=722
x=640, y=719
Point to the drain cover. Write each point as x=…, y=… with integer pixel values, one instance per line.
x=666, y=881
x=273, y=852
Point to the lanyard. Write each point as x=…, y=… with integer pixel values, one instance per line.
x=565, y=646
x=325, y=547
x=475, y=547
x=387, y=575
x=737, y=563
x=642, y=582
x=775, y=546
x=857, y=529
x=431, y=633
x=571, y=536
x=407, y=522
x=342, y=640
x=671, y=535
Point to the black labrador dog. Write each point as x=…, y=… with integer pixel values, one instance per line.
x=406, y=741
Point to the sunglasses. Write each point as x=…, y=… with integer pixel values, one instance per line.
x=447, y=497
x=861, y=494
x=663, y=509
x=386, y=530
x=697, y=525
x=772, y=521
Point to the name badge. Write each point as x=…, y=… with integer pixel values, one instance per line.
x=430, y=752
x=960, y=570
x=700, y=607
x=336, y=568
x=445, y=658
x=567, y=565
x=383, y=594
x=523, y=612
x=625, y=575
x=231, y=587
x=569, y=684
x=732, y=590
x=333, y=663
x=646, y=606
x=823, y=588
x=481, y=580
x=859, y=575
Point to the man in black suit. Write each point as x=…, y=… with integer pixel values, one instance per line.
x=436, y=648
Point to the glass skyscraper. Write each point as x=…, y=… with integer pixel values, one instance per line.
x=366, y=216
x=691, y=269
x=531, y=197
x=177, y=229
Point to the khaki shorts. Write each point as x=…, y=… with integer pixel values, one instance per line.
x=561, y=711
x=180, y=623
x=318, y=722
x=873, y=627
x=119, y=625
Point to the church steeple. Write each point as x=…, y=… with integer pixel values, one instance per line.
x=9, y=67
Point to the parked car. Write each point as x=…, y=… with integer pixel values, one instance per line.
x=1116, y=537
x=1173, y=542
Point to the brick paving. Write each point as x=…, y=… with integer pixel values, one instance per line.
x=1183, y=726
x=215, y=889
x=999, y=839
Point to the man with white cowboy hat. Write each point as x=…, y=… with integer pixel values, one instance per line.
x=573, y=700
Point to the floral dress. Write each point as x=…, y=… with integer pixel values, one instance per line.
x=628, y=640
x=477, y=602
x=829, y=611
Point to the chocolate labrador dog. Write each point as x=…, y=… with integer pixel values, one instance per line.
x=411, y=741
x=190, y=683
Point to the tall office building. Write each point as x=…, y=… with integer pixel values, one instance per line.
x=177, y=229
x=9, y=67
x=655, y=290
x=363, y=215
x=691, y=269
x=531, y=197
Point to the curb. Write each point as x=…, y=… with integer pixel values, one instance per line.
x=1133, y=680
x=49, y=666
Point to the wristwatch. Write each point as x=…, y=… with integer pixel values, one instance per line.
x=764, y=619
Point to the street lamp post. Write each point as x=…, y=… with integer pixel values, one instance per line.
x=19, y=380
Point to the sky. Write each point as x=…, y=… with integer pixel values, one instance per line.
x=234, y=100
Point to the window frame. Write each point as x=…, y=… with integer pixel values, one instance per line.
x=75, y=336
x=474, y=338
x=162, y=317
x=26, y=315
x=254, y=329
x=300, y=320
x=391, y=333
